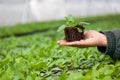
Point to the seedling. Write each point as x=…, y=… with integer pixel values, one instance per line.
x=73, y=30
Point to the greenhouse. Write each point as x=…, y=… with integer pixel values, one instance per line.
x=35, y=43
x=21, y=11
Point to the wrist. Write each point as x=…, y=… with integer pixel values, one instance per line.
x=103, y=40
x=111, y=43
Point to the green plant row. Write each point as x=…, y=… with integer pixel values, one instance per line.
x=111, y=20
x=28, y=27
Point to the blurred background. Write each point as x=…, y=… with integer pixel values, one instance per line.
x=22, y=11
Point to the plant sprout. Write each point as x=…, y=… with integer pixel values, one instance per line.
x=71, y=21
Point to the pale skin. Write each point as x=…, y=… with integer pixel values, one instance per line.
x=92, y=39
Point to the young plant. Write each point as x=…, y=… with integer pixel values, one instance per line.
x=73, y=29
x=71, y=21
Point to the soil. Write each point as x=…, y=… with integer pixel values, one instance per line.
x=72, y=34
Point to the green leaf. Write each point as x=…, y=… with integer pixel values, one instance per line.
x=79, y=30
x=107, y=78
x=5, y=60
x=29, y=78
x=70, y=18
x=61, y=28
x=75, y=75
x=84, y=23
x=71, y=21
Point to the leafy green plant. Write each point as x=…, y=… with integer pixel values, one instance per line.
x=71, y=21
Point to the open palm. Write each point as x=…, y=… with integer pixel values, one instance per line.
x=92, y=38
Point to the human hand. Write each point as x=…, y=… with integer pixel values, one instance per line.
x=92, y=38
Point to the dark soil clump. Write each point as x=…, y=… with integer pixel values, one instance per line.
x=72, y=33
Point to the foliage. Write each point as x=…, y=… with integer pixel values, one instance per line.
x=38, y=57
x=71, y=21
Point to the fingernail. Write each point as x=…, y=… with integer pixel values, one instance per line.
x=58, y=42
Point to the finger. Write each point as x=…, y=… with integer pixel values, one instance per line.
x=81, y=43
x=61, y=42
x=75, y=43
x=65, y=43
